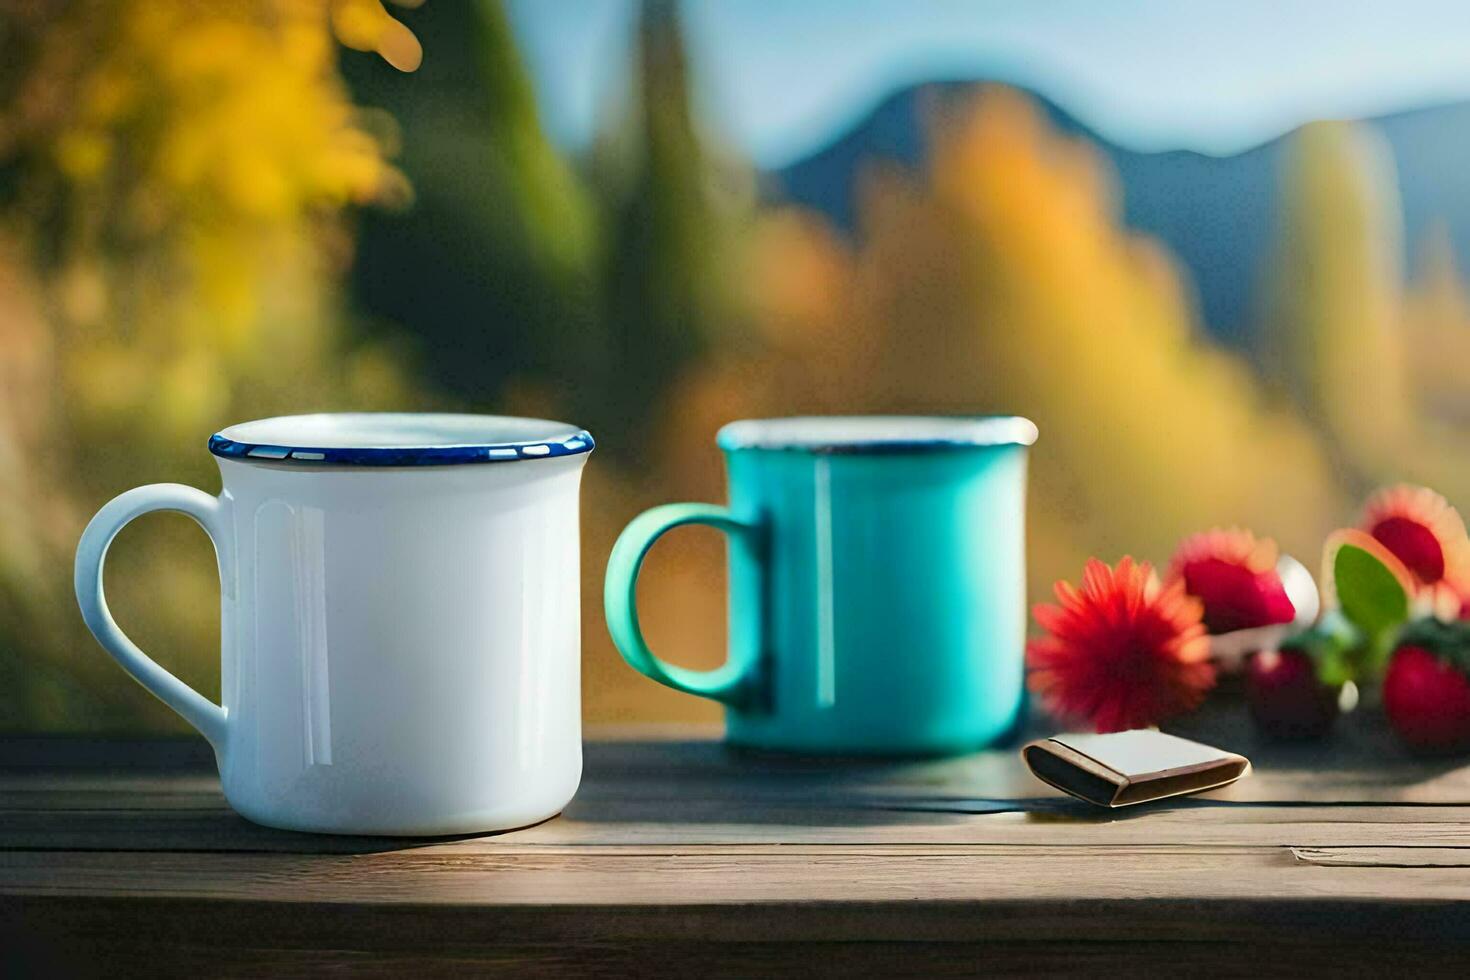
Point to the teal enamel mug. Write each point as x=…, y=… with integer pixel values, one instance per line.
x=877, y=590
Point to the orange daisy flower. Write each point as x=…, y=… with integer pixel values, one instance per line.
x=1424, y=532
x=1234, y=574
x=1122, y=651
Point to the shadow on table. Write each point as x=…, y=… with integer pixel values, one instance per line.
x=67, y=793
x=702, y=781
x=706, y=782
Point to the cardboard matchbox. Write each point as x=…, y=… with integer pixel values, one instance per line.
x=1123, y=768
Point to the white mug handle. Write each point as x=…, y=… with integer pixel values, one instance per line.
x=207, y=511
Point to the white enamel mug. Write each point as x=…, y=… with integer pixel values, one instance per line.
x=401, y=620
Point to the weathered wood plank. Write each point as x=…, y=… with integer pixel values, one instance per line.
x=707, y=770
x=1197, y=828
x=734, y=911
x=729, y=861
x=685, y=826
x=152, y=937
x=1368, y=856
x=614, y=877
x=376, y=956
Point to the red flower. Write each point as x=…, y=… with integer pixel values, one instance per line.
x=1424, y=532
x=1121, y=652
x=1234, y=574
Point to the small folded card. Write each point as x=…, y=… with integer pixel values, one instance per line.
x=1123, y=768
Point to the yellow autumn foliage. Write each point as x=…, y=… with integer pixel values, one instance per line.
x=1437, y=333
x=1376, y=366
x=170, y=266
x=211, y=139
x=1332, y=335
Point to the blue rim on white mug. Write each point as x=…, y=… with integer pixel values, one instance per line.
x=362, y=439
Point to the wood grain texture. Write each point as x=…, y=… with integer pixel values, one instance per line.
x=273, y=941
x=681, y=857
x=1369, y=856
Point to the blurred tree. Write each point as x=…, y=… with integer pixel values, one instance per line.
x=669, y=240
x=528, y=286
x=1371, y=364
x=1437, y=332
x=171, y=175
x=493, y=268
x=1333, y=336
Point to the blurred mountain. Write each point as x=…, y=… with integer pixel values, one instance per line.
x=1217, y=214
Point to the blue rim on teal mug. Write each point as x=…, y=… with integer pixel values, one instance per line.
x=877, y=584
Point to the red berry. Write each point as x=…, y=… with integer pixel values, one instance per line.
x=1286, y=698
x=1427, y=700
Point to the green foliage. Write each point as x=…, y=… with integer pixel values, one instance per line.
x=1333, y=643
x=1353, y=640
x=512, y=269
x=1374, y=600
x=491, y=270
x=663, y=257
x=1371, y=596
x=552, y=207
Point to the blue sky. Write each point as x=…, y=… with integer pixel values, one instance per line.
x=776, y=80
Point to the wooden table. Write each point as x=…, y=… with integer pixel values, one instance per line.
x=679, y=856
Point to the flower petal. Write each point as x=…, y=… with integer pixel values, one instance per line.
x=1122, y=652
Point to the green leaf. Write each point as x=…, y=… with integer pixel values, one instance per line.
x=1371, y=596
x=1334, y=645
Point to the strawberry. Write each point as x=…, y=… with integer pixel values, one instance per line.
x=1426, y=691
x=1286, y=697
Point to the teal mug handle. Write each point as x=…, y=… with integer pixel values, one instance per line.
x=732, y=683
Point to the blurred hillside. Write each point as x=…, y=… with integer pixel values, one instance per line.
x=1216, y=214
x=212, y=216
